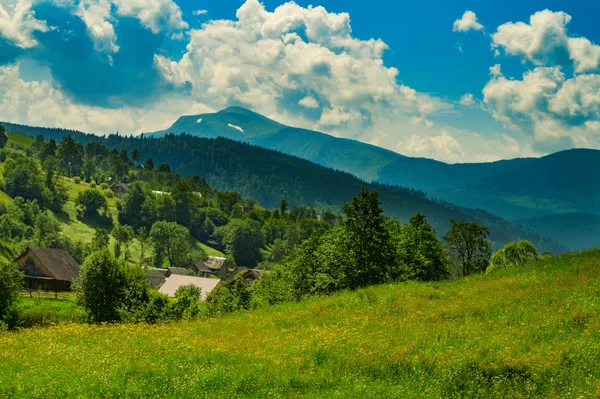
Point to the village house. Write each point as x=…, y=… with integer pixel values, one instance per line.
x=48, y=269
x=120, y=189
x=201, y=269
x=216, y=265
x=250, y=275
x=173, y=283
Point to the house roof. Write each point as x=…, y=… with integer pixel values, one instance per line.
x=59, y=263
x=124, y=186
x=201, y=267
x=214, y=263
x=157, y=273
x=243, y=272
x=176, y=280
x=178, y=270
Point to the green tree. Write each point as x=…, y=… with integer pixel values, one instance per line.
x=227, y=200
x=242, y=238
x=420, y=252
x=46, y=231
x=130, y=206
x=23, y=178
x=101, y=286
x=100, y=240
x=123, y=234
x=171, y=241
x=514, y=254
x=283, y=207
x=468, y=246
x=70, y=157
x=149, y=165
x=90, y=201
x=369, y=240
x=11, y=282
x=3, y=136
x=135, y=155
x=143, y=237
x=48, y=149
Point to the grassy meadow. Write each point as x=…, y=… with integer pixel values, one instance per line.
x=529, y=332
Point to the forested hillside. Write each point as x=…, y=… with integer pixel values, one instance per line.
x=268, y=177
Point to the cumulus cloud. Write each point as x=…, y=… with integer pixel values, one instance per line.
x=18, y=23
x=467, y=22
x=291, y=60
x=41, y=103
x=557, y=111
x=467, y=100
x=546, y=41
x=309, y=102
x=495, y=70
x=444, y=145
x=200, y=12
x=96, y=15
x=156, y=15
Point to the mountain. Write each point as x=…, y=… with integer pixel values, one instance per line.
x=513, y=189
x=567, y=228
x=270, y=176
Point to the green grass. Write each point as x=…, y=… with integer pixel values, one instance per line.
x=532, y=332
x=45, y=312
x=19, y=141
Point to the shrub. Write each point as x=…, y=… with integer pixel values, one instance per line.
x=11, y=282
x=77, y=180
x=108, y=194
x=93, y=184
x=104, y=186
x=514, y=254
x=89, y=202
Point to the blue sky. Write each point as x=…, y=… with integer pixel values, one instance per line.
x=459, y=81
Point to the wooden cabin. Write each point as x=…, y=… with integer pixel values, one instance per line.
x=249, y=275
x=48, y=269
x=218, y=266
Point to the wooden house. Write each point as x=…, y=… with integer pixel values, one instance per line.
x=48, y=269
x=119, y=189
x=201, y=269
x=249, y=275
x=218, y=266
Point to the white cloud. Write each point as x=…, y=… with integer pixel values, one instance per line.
x=545, y=41
x=156, y=15
x=309, y=102
x=467, y=100
x=96, y=15
x=557, y=111
x=18, y=22
x=42, y=104
x=495, y=70
x=445, y=147
x=276, y=62
x=467, y=22
x=200, y=12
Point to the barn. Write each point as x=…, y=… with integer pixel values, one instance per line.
x=48, y=269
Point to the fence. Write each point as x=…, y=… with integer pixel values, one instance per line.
x=38, y=294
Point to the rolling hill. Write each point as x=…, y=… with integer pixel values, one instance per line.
x=269, y=176
x=567, y=228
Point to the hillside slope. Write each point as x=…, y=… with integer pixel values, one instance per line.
x=529, y=332
x=269, y=176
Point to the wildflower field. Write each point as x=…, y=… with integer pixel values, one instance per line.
x=529, y=332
